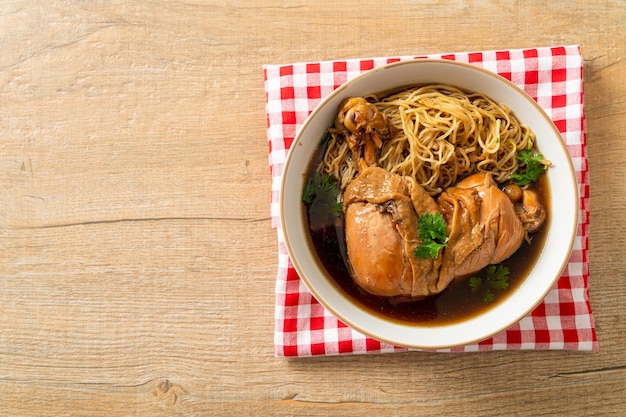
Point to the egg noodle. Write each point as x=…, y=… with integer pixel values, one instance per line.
x=444, y=134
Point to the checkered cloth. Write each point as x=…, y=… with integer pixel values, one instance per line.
x=553, y=77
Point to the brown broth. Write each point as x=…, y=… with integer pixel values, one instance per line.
x=456, y=303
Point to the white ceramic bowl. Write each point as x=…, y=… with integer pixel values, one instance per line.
x=563, y=206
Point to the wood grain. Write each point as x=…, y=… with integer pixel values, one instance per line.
x=137, y=258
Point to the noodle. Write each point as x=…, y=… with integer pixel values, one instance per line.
x=444, y=134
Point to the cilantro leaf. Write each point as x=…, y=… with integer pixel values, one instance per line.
x=428, y=250
x=496, y=278
x=475, y=283
x=488, y=297
x=309, y=191
x=531, y=167
x=325, y=137
x=432, y=232
x=321, y=195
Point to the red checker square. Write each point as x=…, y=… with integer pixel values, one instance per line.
x=542, y=336
x=292, y=275
x=540, y=310
x=290, y=350
x=486, y=342
x=531, y=77
x=367, y=64
x=506, y=75
x=344, y=346
x=292, y=299
x=561, y=125
x=371, y=344
x=314, y=92
x=340, y=66
x=312, y=68
x=317, y=323
x=514, y=337
x=503, y=55
x=449, y=57
x=290, y=325
x=570, y=335
x=475, y=57
x=559, y=101
x=289, y=117
x=288, y=142
x=559, y=74
x=558, y=50
x=286, y=93
x=530, y=53
x=318, y=349
x=286, y=70
x=567, y=309
x=564, y=284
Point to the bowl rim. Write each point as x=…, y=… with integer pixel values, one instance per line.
x=417, y=345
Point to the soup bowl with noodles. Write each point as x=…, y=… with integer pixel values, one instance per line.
x=429, y=203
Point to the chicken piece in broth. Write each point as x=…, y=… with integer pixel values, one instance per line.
x=381, y=230
x=364, y=128
x=483, y=227
x=381, y=212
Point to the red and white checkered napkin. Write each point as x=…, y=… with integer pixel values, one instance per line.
x=553, y=77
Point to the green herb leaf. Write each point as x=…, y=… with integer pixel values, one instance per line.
x=475, y=283
x=309, y=191
x=531, y=167
x=432, y=232
x=325, y=138
x=496, y=278
x=321, y=194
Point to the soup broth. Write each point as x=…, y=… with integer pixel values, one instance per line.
x=456, y=303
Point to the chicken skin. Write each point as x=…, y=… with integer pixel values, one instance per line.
x=483, y=227
x=381, y=230
x=381, y=212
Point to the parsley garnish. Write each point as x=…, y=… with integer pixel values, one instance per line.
x=325, y=138
x=432, y=232
x=531, y=165
x=496, y=278
x=320, y=193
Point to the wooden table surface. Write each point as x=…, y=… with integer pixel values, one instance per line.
x=137, y=258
